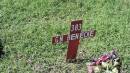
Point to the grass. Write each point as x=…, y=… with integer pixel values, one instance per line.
x=27, y=26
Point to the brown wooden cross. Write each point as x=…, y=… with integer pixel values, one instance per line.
x=73, y=38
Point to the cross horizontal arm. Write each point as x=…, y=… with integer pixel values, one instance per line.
x=66, y=38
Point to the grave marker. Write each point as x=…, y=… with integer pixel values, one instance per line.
x=73, y=38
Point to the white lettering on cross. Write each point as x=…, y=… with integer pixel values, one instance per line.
x=86, y=34
x=92, y=32
x=76, y=27
x=56, y=40
x=74, y=36
x=61, y=39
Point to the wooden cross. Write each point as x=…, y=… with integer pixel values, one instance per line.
x=73, y=38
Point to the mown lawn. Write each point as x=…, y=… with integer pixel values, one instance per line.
x=27, y=26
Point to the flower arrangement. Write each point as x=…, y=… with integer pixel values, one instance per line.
x=106, y=63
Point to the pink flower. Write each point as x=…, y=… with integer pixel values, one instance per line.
x=103, y=58
x=90, y=69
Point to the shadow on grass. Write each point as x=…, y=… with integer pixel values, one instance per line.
x=2, y=53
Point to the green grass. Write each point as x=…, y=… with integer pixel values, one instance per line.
x=27, y=26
